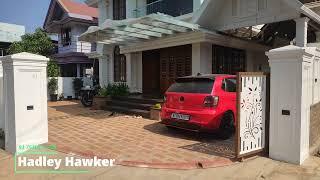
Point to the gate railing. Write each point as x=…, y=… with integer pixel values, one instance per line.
x=252, y=113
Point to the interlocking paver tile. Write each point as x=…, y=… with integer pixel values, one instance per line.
x=76, y=129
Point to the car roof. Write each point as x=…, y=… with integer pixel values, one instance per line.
x=206, y=76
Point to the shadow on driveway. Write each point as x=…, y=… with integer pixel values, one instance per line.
x=208, y=143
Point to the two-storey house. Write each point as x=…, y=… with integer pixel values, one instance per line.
x=149, y=43
x=9, y=33
x=68, y=20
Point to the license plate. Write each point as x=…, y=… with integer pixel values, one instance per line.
x=180, y=116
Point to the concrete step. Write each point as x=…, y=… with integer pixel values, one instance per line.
x=128, y=104
x=125, y=110
x=139, y=100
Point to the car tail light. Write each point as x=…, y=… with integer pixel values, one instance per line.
x=211, y=101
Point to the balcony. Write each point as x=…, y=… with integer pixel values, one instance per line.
x=77, y=46
x=170, y=7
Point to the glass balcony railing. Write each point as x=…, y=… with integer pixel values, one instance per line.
x=170, y=7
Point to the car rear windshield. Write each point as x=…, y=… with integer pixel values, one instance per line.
x=195, y=85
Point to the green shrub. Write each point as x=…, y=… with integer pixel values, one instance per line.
x=1, y=134
x=103, y=92
x=118, y=89
x=53, y=86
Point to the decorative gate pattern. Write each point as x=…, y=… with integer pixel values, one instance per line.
x=252, y=113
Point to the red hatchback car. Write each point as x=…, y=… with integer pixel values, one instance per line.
x=201, y=103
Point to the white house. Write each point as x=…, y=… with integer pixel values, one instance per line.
x=68, y=20
x=9, y=33
x=149, y=43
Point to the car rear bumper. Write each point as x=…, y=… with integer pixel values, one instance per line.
x=199, y=120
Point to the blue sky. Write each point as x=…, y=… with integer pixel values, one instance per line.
x=29, y=13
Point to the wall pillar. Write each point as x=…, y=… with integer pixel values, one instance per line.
x=202, y=58
x=25, y=99
x=2, y=126
x=290, y=101
x=302, y=31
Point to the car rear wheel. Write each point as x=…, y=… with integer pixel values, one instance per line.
x=227, y=128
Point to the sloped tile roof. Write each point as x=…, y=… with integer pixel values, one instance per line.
x=79, y=8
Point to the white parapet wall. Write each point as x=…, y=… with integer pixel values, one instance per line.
x=65, y=86
x=290, y=100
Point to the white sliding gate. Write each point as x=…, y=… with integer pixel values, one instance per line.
x=252, y=113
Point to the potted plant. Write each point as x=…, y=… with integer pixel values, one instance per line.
x=101, y=99
x=52, y=88
x=77, y=86
x=155, y=112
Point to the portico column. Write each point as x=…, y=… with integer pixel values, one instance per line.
x=129, y=69
x=103, y=71
x=78, y=70
x=201, y=58
x=302, y=31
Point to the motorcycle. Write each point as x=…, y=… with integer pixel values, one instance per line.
x=87, y=93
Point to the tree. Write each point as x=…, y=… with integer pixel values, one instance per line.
x=37, y=43
x=53, y=69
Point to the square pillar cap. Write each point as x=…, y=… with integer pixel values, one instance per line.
x=290, y=51
x=24, y=56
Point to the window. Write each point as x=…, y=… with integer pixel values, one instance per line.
x=228, y=60
x=229, y=85
x=66, y=36
x=199, y=86
x=120, y=74
x=68, y=70
x=119, y=9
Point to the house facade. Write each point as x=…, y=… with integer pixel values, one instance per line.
x=9, y=33
x=68, y=20
x=148, y=43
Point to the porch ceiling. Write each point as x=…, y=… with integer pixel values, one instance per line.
x=131, y=31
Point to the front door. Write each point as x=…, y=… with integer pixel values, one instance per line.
x=150, y=74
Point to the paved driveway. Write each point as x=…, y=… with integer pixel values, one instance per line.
x=132, y=141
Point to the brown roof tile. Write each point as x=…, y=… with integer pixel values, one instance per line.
x=79, y=8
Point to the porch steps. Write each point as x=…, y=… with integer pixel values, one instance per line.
x=132, y=105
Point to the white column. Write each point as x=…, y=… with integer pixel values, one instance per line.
x=139, y=72
x=1, y=99
x=302, y=31
x=103, y=71
x=290, y=100
x=202, y=58
x=129, y=69
x=25, y=99
x=78, y=70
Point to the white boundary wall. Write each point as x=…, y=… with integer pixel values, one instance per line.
x=65, y=86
